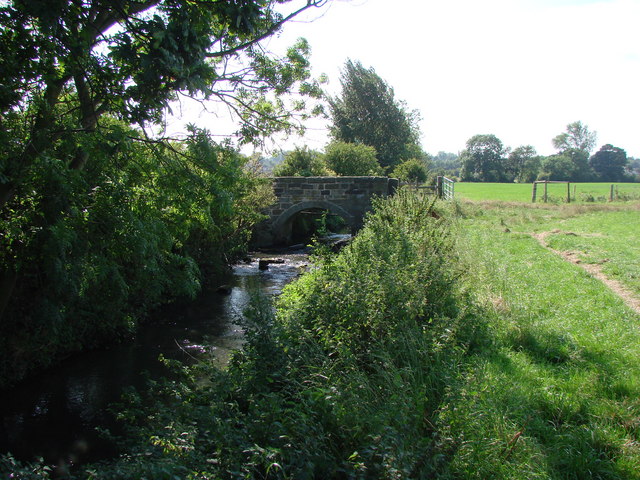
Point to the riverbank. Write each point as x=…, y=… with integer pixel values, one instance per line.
x=444, y=342
x=58, y=414
x=341, y=381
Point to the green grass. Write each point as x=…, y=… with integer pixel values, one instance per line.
x=411, y=355
x=604, y=234
x=609, y=239
x=557, y=193
x=555, y=391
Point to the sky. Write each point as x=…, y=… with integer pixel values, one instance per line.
x=519, y=69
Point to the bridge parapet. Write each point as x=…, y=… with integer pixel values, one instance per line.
x=349, y=197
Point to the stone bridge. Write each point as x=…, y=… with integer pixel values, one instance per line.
x=348, y=197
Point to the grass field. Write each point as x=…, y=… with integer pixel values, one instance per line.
x=554, y=392
x=557, y=193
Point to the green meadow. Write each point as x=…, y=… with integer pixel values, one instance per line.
x=556, y=192
x=555, y=390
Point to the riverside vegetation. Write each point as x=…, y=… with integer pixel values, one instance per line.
x=95, y=251
x=445, y=342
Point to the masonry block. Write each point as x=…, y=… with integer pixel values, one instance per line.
x=350, y=196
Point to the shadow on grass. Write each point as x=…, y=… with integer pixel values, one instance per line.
x=542, y=401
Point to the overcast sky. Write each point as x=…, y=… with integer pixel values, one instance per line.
x=519, y=69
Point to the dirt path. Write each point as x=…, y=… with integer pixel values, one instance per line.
x=594, y=269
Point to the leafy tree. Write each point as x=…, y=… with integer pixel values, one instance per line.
x=524, y=163
x=574, y=145
x=100, y=221
x=633, y=169
x=301, y=162
x=446, y=160
x=352, y=159
x=66, y=64
x=367, y=112
x=557, y=167
x=142, y=224
x=483, y=160
x=577, y=137
x=412, y=170
x=570, y=165
x=445, y=163
x=580, y=159
x=609, y=163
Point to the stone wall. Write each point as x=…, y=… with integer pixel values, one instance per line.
x=349, y=197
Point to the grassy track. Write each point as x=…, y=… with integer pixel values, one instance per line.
x=521, y=192
x=555, y=390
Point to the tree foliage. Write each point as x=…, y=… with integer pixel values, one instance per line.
x=367, y=112
x=570, y=165
x=446, y=160
x=557, y=167
x=302, y=162
x=633, y=169
x=412, y=170
x=524, y=164
x=609, y=163
x=576, y=137
x=483, y=159
x=351, y=159
x=96, y=250
x=66, y=64
x=100, y=220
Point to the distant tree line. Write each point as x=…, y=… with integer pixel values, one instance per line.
x=486, y=159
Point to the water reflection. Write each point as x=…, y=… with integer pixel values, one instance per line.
x=55, y=414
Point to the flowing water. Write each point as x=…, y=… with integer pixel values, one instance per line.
x=55, y=415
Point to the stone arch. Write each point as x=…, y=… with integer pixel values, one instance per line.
x=281, y=225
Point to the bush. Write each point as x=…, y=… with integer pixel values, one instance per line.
x=352, y=159
x=302, y=162
x=340, y=383
x=413, y=171
x=96, y=250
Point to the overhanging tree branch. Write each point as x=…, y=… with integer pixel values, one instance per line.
x=274, y=28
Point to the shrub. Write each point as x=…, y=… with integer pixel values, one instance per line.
x=301, y=162
x=339, y=383
x=412, y=170
x=352, y=159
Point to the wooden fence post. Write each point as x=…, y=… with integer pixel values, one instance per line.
x=533, y=193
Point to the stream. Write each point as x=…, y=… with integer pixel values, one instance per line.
x=55, y=415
